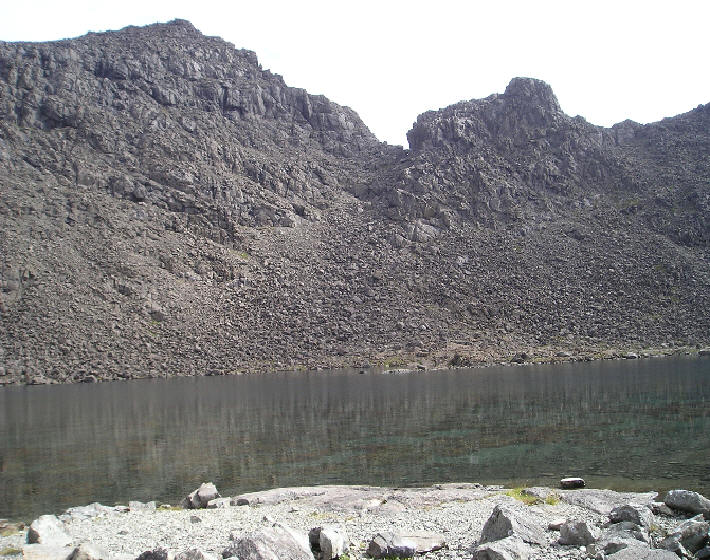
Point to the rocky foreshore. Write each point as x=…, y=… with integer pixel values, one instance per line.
x=444, y=521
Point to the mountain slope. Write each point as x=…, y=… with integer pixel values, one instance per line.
x=170, y=208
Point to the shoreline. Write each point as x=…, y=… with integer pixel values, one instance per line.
x=433, y=362
x=455, y=514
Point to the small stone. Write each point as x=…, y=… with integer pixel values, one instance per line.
x=555, y=524
x=195, y=519
x=505, y=522
x=631, y=356
x=46, y=552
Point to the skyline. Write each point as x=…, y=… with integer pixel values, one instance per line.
x=391, y=61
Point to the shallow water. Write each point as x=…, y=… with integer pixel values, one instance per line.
x=626, y=425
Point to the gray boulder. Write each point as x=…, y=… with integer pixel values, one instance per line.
x=685, y=500
x=577, y=533
x=330, y=541
x=691, y=534
x=271, y=543
x=509, y=548
x=47, y=529
x=639, y=515
x=385, y=545
x=201, y=497
x=627, y=529
x=505, y=522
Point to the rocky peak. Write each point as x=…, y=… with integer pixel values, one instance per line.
x=527, y=108
x=529, y=92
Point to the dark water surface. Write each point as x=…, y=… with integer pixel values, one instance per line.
x=636, y=425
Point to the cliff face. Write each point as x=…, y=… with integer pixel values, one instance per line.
x=169, y=208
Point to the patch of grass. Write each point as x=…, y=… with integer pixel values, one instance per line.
x=10, y=551
x=552, y=500
x=517, y=493
x=393, y=362
x=9, y=531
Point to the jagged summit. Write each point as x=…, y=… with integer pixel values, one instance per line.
x=532, y=92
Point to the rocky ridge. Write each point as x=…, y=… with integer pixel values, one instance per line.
x=170, y=208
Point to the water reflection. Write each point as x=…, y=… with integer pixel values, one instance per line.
x=625, y=425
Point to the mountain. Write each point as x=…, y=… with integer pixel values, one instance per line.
x=170, y=208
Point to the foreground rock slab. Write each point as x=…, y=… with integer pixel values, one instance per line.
x=509, y=548
x=271, y=543
x=505, y=522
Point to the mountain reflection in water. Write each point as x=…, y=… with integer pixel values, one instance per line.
x=636, y=425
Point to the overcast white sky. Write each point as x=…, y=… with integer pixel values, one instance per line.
x=391, y=60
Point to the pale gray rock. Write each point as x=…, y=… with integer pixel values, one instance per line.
x=578, y=533
x=505, y=522
x=425, y=541
x=271, y=543
x=194, y=554
x=46, y=552
x=47, y=529
x=642, y=554
x=639, y=515
x=686, y=500
x=92, y=510
x=219, y=503
x=386, y=544
x=555, y=524
x=660, y=508
x=87, y=551
x=330, y=541
x=201, y=497
x=603, y=501
x=509, y=548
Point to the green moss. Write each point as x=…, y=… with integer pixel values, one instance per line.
x=10, y=551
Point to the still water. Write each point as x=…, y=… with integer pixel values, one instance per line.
x=642, y=424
